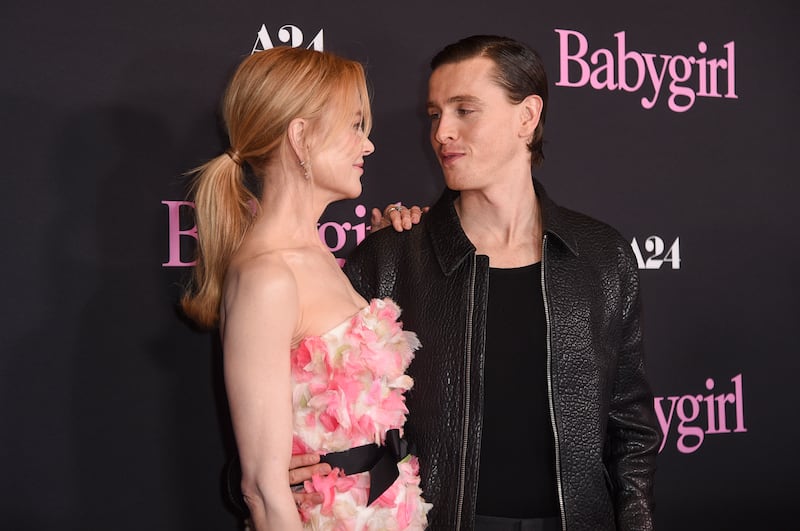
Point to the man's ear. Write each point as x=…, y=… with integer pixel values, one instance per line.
x=530, y=114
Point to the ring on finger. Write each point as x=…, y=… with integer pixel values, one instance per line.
x=392, y=208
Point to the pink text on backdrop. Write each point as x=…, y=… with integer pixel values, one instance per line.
x=689, y=77
x=332, y=233
x=695, y=416
x=176, y=233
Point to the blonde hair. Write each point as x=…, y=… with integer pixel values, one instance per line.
x=268, y=90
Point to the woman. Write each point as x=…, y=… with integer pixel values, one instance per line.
x=310, y=366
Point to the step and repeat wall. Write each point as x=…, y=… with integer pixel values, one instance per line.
x=675, y=122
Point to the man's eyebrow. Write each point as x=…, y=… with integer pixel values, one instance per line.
x=461, y=98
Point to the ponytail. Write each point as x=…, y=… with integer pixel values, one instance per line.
x=224, y=213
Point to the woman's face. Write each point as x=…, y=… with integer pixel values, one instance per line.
x=337, y=165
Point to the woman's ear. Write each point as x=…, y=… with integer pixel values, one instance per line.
x=298, y=129
x=530, y=114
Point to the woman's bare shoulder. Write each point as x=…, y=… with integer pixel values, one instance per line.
x=265, y=275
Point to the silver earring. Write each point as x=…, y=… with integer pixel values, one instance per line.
x=306, y=168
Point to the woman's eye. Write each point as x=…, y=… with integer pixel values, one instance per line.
x=433, y=116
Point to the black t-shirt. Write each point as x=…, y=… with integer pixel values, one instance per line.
x=517, y=465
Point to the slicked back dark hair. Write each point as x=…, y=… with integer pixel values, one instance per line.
x=519, y=70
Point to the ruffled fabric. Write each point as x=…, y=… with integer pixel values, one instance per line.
x=348, y=387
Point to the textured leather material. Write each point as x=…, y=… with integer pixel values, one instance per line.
x=607, y=434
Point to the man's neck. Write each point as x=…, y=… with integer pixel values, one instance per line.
x=503, y=222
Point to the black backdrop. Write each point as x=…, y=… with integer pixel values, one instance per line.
x=112, y=413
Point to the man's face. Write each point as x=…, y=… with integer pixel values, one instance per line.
x=475, y=129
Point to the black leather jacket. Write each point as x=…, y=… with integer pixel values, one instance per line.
x=601, y=406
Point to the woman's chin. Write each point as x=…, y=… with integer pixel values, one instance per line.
x=355, y=192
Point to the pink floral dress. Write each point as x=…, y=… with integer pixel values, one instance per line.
x=348, y=387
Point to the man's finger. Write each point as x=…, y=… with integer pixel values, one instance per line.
x=299, y=475
x=396, y=216
x=302, y=460
x=377, y=220
x=305, y=499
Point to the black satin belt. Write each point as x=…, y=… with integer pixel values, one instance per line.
x=379, y=461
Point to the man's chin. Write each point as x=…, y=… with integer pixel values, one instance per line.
x=455, y=183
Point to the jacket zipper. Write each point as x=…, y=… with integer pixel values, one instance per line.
x=468, y=384
x=550, y=393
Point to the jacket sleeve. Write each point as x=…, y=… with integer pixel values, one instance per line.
x=358, y=269
x=633, y=433
x=371, y=267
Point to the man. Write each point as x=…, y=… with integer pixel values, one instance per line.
x=530, y=408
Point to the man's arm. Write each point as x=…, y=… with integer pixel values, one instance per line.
x=633, y=433
x=372, y=266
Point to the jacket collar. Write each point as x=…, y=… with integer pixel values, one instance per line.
x=554, y=221
x=451, y=245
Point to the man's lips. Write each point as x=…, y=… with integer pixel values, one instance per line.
x=449, y=157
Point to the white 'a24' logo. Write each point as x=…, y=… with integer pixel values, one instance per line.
x=657, y=253
x=287, y=34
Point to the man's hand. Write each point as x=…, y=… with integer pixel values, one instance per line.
x=301, y=468
x=398, y=216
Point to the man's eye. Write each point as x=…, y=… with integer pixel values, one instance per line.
x=464, y=112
